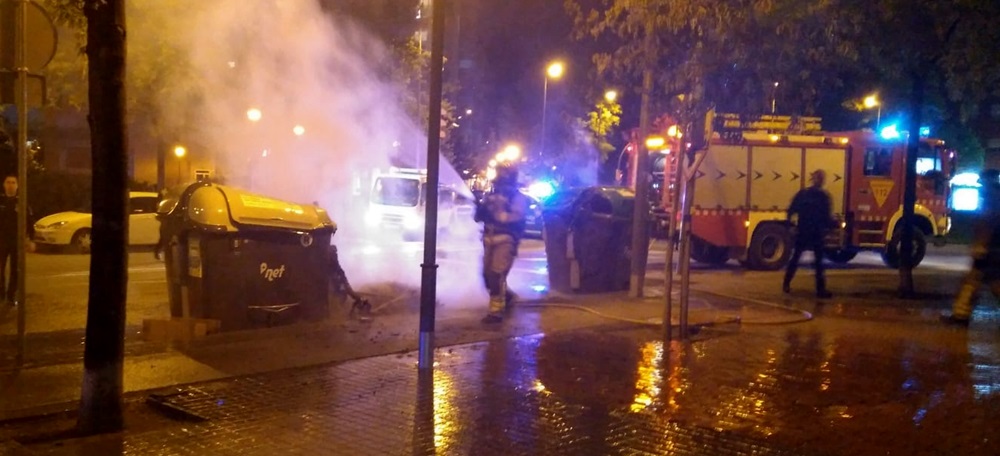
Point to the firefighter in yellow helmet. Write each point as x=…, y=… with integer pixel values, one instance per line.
x=984, y=249
x=502, y=213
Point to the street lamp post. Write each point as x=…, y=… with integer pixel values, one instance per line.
x=254, y=115
x=179, y=152
x=871, y=101
x=553, y=71
x=774, y=98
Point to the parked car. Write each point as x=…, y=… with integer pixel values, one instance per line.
x=72, y=229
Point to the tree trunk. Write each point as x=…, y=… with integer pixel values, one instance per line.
x=101, y=396
x=906, y=288
x=640, y=214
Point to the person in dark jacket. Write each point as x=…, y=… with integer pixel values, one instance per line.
x=984, y=250
x=502, y=213
x=8, y=238
x=812, y=209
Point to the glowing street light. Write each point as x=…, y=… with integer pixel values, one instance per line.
x=254, y=114
x=611, y=96
x=553, y=71
x=299, y=130
x=509, y=154
x=871, y=101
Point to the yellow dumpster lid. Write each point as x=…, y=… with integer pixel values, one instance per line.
x=224, y=207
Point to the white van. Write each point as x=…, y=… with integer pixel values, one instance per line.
x=398, y=202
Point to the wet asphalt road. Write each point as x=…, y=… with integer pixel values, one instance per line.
x=57, y=283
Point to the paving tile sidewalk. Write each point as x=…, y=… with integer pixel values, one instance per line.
x=52, y=378
x=829, y=386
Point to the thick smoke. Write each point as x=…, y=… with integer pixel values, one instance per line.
x=302, y=68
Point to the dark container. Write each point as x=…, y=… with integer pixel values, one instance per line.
x=244, y=259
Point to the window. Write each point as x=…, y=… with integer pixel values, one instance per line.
x=143, y=205
x=928, y=159
x=202, y=174
x=396, y=191
x=878, y=162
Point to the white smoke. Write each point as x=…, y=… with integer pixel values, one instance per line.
x=300, y=68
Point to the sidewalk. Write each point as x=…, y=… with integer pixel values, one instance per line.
x=870, y=374
x=864, y=373
x=830, y=386
x=50, y=382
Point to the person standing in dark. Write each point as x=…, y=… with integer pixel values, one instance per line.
x=984, y=249
x=8, y=238
x=812, y=209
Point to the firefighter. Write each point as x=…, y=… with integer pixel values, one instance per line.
x=812, y=206
x=502, y=213
x=984, y=249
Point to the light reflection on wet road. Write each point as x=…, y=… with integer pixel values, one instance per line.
x=824, y=388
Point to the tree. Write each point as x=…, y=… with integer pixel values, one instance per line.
x=155, y=64
x=923, y=53
x=601, y=123
x=686, y=58
x=101, y=406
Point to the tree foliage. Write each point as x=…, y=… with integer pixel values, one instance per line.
x=950, y=47
x=601, y=123
x=724, y=54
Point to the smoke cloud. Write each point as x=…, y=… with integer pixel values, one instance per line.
x=298, y=105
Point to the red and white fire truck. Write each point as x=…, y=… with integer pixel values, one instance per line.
x=752, y=169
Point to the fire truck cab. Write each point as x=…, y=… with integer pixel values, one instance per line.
x=748, y=177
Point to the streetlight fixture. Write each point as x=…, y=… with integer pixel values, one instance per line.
x=553, y=71
x=611, y=95
x=871, y=101
x=299, y=130
x=509, y=154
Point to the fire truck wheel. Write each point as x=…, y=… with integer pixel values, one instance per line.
x=703, y=252
x=770, y=247
x=841, y=256
x=890, y=256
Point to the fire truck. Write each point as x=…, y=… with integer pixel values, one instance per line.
x=753, y=168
